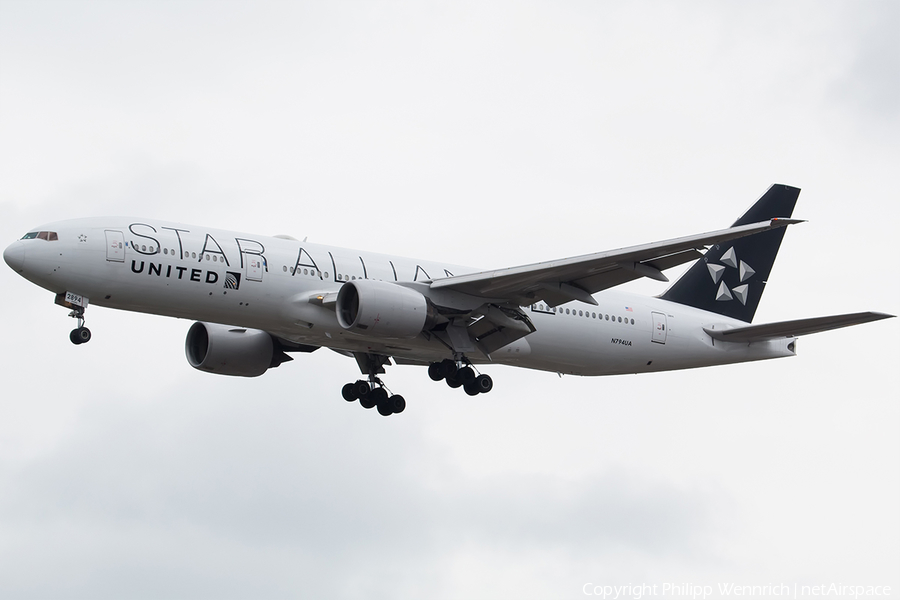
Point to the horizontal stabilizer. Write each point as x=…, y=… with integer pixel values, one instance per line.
x=770, y=331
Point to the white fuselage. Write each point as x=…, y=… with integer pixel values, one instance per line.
x=268, y=283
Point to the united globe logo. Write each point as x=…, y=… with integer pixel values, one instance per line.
x=232, y=280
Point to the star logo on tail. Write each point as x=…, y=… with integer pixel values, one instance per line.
x=745, y=272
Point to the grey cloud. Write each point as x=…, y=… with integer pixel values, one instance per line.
x=535, y=132
x=871, y=82
x=170, y=484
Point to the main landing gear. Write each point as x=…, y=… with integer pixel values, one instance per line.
x=371, y=394
x=81, y=334
x=460, y=376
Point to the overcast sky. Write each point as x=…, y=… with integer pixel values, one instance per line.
x=489, y=134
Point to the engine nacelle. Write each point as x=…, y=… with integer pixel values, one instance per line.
x=381, y=308
x=230, y=350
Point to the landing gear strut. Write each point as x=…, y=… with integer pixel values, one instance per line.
x=460, y=373
x=80, y=334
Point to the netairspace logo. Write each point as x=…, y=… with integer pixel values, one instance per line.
x=725, y=590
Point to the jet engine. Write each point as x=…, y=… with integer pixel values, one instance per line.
x=229, y=350
x=383, y=309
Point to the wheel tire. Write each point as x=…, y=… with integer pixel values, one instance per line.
x=380, y=397
x=362, y=388
x=453, y=382
x=448, y=368
x=384, y=408
x=434, y=371
x=80, y=335
x=484, y=384
x=466, y=375
x=349, y=392
x=398, y=404
x=371, y=397
x=85, y=334
x=471, y=389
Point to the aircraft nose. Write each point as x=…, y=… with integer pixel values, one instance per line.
x=14, y=256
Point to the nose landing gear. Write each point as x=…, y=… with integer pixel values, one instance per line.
x=81, y=334
x=77, y=304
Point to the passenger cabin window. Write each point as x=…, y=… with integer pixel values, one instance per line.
x=49, y=236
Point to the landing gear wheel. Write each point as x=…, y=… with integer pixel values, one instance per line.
x=397, y=403
x=448, y=368
x=483, y=383
x=434, y=371
x=80, y=335
x=371, y=397
x=349, y=392
x=471, y=389
x=380, y=397
x=453, y=382
x=466, y=375
x=361, y=388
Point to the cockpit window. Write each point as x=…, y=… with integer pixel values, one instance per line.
x=50, y=236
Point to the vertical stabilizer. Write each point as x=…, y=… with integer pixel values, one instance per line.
x=730, y=278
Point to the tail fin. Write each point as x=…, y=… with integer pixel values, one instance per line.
x=730, y=278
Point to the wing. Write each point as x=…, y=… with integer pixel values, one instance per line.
x=560, y=281
x=783, y=329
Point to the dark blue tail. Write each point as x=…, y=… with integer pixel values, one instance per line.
x=730, y=278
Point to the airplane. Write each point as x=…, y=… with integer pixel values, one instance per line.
x=256, y=299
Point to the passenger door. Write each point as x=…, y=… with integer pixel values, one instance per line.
x=659, y=327
x=115, y=246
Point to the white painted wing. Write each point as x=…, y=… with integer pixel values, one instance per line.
x=576, y=278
